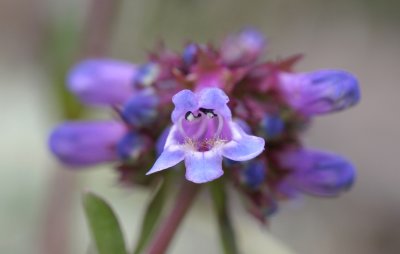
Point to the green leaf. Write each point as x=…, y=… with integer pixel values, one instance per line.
x=226, y=231
x=105, y=229
x=153, y=212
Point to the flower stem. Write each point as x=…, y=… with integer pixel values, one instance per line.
x=169, y=226
x=226, y=230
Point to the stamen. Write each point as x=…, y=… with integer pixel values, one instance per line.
x=210, y=115
x=208, y=112
x=219, y=128
x=180, y=127
x=200, y=131
x=190, y=116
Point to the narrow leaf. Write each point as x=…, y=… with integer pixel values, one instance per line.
x=105, y=229
x=226, y=231
x=153, y=212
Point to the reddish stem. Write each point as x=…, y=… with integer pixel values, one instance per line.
x=169, y=226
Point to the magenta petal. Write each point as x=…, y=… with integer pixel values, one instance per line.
x=102, y=81
x=86, y=143
x=203, y=167
x=242, y=147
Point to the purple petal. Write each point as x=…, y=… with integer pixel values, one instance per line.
x=184, y=101
x=320, y=92
x=141, y=109
x=254, y=173
x=132, y=145
x=86, y=143
x=319, y=173
x=272, y=126
x=162, y=140
x=242, y=147
x=203, y=167
x=215, y=98
x=190, y=54
x=171, y=156
x=102, y=81
x=243, y=48
x=147, y=74
x=242, y=124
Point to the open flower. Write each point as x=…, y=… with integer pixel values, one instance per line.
x=202, y=133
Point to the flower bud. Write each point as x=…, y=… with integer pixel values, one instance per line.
x=132, y=145
x=272, y=126
x=243, y=48
x=253, y=174
x=141, y=108
x=320, y=92
x=189, y=54
x=86, y=143
x=147, y=74
x=102, y=81
x=317, y=172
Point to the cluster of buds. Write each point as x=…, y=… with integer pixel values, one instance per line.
x=230, y=113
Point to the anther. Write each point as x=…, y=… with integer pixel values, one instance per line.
x=208, y=112
x=190, y=116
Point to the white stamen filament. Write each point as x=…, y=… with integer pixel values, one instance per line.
x=220, y=125
x=201, y=129
x=180, y=127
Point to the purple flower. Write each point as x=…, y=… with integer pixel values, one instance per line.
x=254, y=173
x=202, y=133
x=132, y=145
x=317, y=172
x=147, y=74
x=243, y=48
x=189, y=54
x=267, y=98
x=320, y=92
x=141, y=109
x=272, y=125
x=102, y=81
x=86, y=143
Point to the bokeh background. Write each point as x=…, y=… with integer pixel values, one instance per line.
x=40, y=203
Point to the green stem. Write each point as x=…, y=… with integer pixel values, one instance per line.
x=226, y=231
x=169, y=226
x=153, y=213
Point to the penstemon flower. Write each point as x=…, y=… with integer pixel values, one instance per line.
x=203, y=133
x=232, y=114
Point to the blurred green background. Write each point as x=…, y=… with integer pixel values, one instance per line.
x=41, y=202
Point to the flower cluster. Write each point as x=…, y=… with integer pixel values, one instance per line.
x=224, y=103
